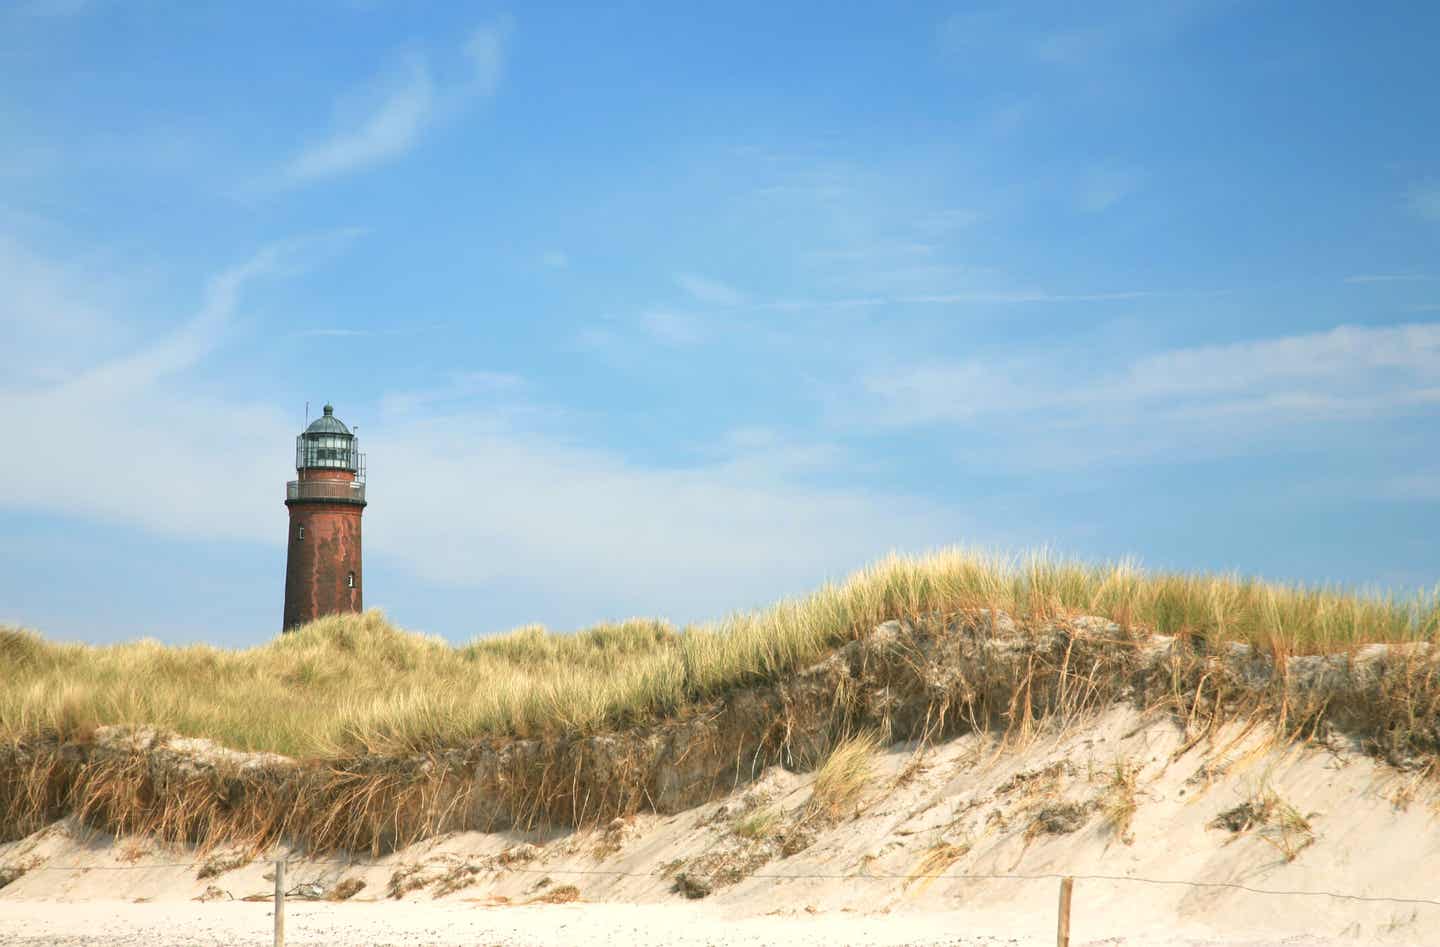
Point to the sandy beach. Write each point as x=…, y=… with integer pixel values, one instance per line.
x=958, y=846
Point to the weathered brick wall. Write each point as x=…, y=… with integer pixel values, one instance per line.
x=317, y=567
x=325, y=473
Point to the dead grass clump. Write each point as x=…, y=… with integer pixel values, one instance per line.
x=1035, y=781
x=757, y=825
x=692, y=886
x=613, y=838
x=841, y=780
x=560, y=894
x=1060, y=818
x=1252, y=812
x=1276, y=821
x=10, y=874
x=459, y=876
x=727, y=865
x=133, y=850
x=1289, y=831
x=214, y=893
x=937, y=859
x=1118, y=801
x=518, y=854
x=409, y=878
x=221, y=862
x=345, y=889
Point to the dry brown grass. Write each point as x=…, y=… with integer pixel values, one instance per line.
x=560, y=894
x=345, y=889
x=841, y=781
x=356, y=683
x=397, y=736
x=1118, y=800
x=758, y=825
x=937, y=860
x=1274, y=820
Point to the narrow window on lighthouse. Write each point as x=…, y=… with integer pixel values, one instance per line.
x=301, y=534
x=350, y=580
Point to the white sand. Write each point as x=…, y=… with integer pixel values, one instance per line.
x=1369, y=839
x=447, y=923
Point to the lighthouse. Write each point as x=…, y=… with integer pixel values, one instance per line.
x=322, y=564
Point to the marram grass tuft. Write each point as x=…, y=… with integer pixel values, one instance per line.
x=357, y=684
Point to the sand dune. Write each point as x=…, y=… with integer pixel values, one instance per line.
x=927, y=854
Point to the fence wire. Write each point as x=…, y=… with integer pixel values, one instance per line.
x=822, y=876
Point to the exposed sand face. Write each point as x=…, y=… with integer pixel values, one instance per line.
x=1318, y=820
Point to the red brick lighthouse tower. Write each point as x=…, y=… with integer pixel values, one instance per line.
x=322, y=567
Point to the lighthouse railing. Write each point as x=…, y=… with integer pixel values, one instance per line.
x=344, y=491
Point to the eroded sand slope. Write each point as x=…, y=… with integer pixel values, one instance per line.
x=1121, y=796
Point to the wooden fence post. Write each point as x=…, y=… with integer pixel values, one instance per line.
x=1062, y=931
x=279, y=902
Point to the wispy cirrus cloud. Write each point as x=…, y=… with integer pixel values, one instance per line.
x=477, y=493
x=460, y=387
x=138, y=410
x=390, y=129
x=673, y=328
x=1212, y=394
x=711, y=291
x=996, y=298
x=50, y=315
x=389, y=120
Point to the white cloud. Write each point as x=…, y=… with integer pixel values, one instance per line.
x=465, y=489
x=50, y=315
x=673, y=328
x=1345, y=352
x=392, y=129
x=1258, y=388
x=486, y=51
x=472, y=501
x=461, y=387
x=123, y=414
x=709, y=291
x=400, y=109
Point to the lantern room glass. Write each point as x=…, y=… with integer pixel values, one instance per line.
x=328, y=451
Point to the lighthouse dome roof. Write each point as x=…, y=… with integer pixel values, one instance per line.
x=327, y=423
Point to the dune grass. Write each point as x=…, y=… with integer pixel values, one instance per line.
x=356, y=683
x=843, y=777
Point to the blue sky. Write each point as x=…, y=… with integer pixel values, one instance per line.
x=657, y=311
